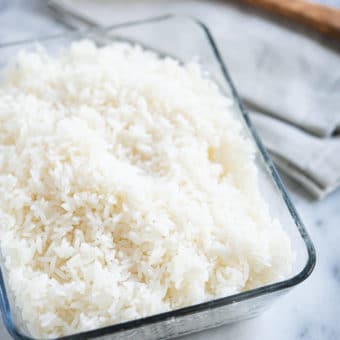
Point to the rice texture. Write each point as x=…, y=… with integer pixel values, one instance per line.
x=127, y=188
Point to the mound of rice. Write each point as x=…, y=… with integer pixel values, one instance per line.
x=126, y=189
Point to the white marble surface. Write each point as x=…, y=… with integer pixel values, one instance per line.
x=310, y=311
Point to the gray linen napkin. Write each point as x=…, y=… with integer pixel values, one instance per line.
x=307, y=167
x=277, y=70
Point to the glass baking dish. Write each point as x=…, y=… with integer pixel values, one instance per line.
x=183, y=38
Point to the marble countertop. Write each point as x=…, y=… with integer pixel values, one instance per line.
x=310, y=311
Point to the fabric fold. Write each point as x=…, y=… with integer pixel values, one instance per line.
x=313, y=162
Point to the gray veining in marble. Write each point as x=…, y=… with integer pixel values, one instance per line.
x=310, y=311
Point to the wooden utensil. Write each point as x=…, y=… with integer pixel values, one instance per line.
x=321, y=18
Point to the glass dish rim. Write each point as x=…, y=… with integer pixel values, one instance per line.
x=253, y=293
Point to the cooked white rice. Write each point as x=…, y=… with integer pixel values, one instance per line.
x=126, y=189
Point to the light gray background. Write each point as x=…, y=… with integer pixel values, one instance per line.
x=312, y=310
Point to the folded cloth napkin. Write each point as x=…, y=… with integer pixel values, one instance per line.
x=302, y=156
x=294, y=79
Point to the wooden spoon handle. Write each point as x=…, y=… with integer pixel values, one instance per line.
x=322, y=18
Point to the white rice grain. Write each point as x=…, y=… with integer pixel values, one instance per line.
x=126, y=189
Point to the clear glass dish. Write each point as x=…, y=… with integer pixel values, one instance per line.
x=183, y=38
